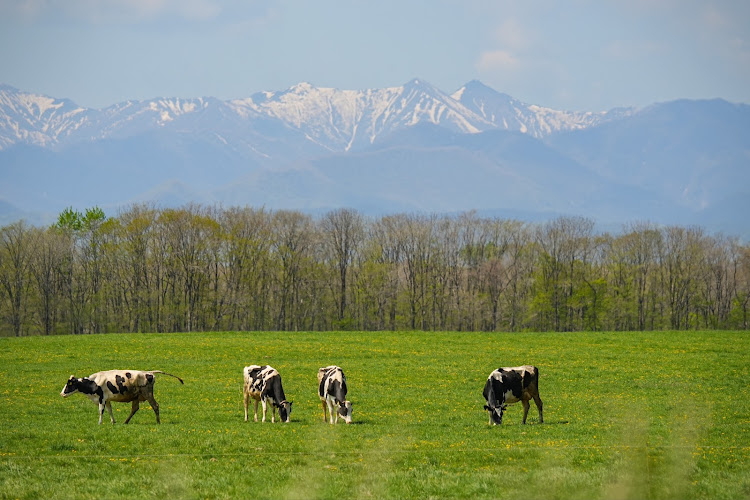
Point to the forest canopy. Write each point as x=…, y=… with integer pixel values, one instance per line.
x=200, y=268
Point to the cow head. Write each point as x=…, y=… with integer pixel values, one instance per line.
x=496, y=413
x=82, y=385
x=70, y=387
x=345, y=411
x=285, y=410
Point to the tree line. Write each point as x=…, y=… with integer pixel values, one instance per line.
x=201, y=268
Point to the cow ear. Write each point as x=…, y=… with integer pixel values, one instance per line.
x=486, y=407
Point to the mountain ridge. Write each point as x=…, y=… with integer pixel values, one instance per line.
x=408, y=147
x=303, y=106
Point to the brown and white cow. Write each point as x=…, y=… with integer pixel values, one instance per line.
x=263, y=383
x=122, y=386
x=332, y=392
x=511, y=385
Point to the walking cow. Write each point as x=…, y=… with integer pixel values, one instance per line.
x=122, y=386
x=511, y=385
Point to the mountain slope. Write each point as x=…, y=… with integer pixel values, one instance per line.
x=411, y=147
x=35, y=119
x=345, y=120
x=427, y=168
x=330, y=119
x=506, y=113
x=696, y=153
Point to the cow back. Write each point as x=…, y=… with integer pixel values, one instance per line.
x=263, y=381
x=513, y=383
x=332, y=381
x=124, y=385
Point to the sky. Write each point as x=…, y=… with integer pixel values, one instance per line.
x=574, y=55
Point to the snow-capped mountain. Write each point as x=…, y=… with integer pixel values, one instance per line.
x=332, y=119
x=404, y=148
x=344, y=120
x=506, y=113
x=35, y=119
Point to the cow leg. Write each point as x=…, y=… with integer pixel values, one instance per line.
x=245, y=401
x=133, y=409
x=108, y=406
x=109, y=409
x=263, y=403
x=255, y=404
x=101, y=412
x=526, y=405
x=155, y=406
x=325, y=415
x=538, y=402
x=273, y=414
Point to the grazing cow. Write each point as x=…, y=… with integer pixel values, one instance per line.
x=263, y=383
x=511, y=385
x=332, y=393
x=122, y=386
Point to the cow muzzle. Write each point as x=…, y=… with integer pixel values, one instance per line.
x=345, y=410
x=285, y=411
x=496, y=413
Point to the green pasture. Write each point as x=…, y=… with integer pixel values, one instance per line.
x=627, y=415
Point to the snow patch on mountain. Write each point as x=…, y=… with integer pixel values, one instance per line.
x=35, y=119
x=332, y=119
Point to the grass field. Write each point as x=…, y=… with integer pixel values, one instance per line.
x=627, y=415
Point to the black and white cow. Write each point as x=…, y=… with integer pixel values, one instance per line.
x=122, y=386
x=511, y=385
x=263, y=383
x=332, y=393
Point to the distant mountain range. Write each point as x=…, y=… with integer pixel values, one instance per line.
x=407, y=148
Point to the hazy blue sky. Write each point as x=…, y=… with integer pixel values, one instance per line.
x=575, y=54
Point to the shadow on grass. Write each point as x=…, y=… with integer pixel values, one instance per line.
x=354, y=422
x=532, y=424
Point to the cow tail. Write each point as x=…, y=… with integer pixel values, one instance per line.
x=165, y=373
x=533, y=379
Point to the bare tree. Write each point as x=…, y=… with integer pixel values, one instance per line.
x=137, y=225
x=742, y=285
x=248, y=239
x=681, y=257
x=47, y=260
x=387, y=253
x=343, y=233
x=292, y=240
x=16, y=243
